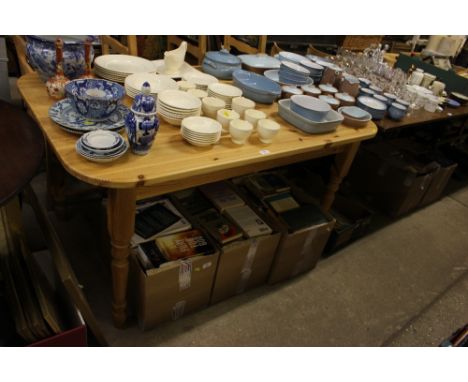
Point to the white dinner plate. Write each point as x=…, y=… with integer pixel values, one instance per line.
x=158, y=82
x=123, y=63
x=202, y=125
x=178, y=99
x=225, y=90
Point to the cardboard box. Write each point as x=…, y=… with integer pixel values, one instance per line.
x=173, y=290
x=438, y=184
x=353, y=221
x=298, y=252
x=390, y=179
x=244, y=263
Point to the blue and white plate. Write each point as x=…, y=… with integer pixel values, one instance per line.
x=70, y=120
x=100, y=158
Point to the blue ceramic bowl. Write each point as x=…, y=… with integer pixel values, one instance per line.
x=373, y=106
x=383, y=99
x=40, y=51
x=255, y=82
x=221, y=64
x=396, y=111
x=95, y=99
x=310, y=107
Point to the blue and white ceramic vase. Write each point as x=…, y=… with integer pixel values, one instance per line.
x=141, y=122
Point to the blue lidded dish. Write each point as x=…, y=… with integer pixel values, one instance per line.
x=221, y=64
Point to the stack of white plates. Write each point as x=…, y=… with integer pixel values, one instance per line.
x=157, y=82
x=175, y=105
x=225, y=92
x=101, y=146
x=201, y=80
x=201, y=131
x=116, y=67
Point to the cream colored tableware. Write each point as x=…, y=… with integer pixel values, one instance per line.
x=225, y=92
x=225, y=116
x=185, y=85
x=173, y=59
x=198, y=93
x=437, y=87
x=201, y=80
x=253, y=116
x=201, y=131
x=241, y=104
x=267, y=129
x=211, y=105
x=158, y=83
x=240, y=131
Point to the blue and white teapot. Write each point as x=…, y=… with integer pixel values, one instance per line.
x=141, y=122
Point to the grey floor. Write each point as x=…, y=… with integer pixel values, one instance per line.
x=404, y=285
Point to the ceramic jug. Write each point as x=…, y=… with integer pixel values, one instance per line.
x=56, y=84
x=141, y=122
x=173, y=59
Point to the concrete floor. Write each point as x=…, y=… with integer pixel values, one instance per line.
x=404, y=285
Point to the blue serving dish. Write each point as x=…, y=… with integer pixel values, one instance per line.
x=93, y=98
x=256, y=87
x=328, y=124
x=310, y=107
x=221, y=64
x=373, y=106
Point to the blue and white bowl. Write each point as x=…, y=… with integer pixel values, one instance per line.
x=383, y=99
x=366, y=92
x=310, y=107
x=290, y=56
x=396, y=111
x=402, y=102
x=40, y=51
x=373, y=106
x=93, y=98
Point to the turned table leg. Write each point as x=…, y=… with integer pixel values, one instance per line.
x=121, y=222
x=339, y=170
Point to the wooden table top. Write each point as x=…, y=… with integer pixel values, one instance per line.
x=422, y=116
x=21, y=150
x=171, y=158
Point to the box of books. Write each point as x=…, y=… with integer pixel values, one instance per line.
x=304, y=227
x=172, y=275
x=246, y=240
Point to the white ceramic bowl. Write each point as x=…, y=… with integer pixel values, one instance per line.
x=240, y=131
x=241, y=104
x=211, y=105
x=185, y=85
x=225, y=116
x=253, y=116
x=267, y=129
x=198, y=93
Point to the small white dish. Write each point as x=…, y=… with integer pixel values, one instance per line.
x=225, y=116
x=241, y=104
x=267, y=129
x=186, y=85
x=253, y=116
x=198, y=93
x=240, y=131
x=211, y=105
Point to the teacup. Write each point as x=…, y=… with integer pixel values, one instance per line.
x=241, y=104
x=240, y=131
x=211, y=105
x=225, y=116
x=186, y=85
x=253, y=116
x=267, y=129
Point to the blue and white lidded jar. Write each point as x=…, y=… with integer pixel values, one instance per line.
x=141, y=122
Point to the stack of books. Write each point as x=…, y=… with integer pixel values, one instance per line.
x=173, y=247
x=157, y=218
x=193, y=201
x=220, y=228
x=266, y=184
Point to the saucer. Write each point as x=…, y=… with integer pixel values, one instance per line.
x=70, y=120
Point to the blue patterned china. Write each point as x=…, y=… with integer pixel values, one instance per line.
x=328, y=124
x=396, y=111
x=40, y=51
x=101, y=140
x=141, y=122
x=373, y=106
x=310, y=107
x=221, y=64
x=70, y=120
x=100, y=157
x=256, y=87
x=95, y=99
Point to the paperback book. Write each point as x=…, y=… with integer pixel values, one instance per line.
x=184, y=244
x=248, y=221
x=157, y=218
x=282, y=202
x=303, y=217
x=220, y=228
x=221, y=195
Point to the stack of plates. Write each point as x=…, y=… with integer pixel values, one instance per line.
x=201, y=131
x=175, y=105
x=68, y=119
x=294, y=74
x=315, y=70
x=201, y=80
x=116, y=67
x=225, y=92
x=157, y=82
x=101, y=146
x=290, y=56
